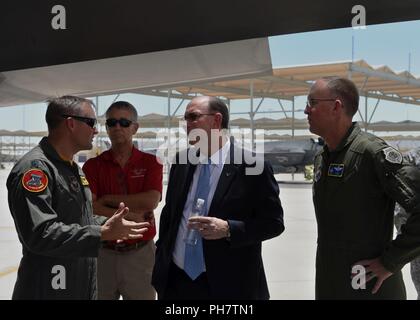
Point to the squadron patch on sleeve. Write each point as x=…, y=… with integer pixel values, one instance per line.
x=392, y=155
x=318, y=173
x=35, y=180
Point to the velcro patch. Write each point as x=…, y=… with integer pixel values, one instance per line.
x=318, y=173
x=392, y=155
x=35, y=180
x=336, y=170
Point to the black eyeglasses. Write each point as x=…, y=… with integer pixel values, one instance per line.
x=193, y=116
x=91, y=122
x=125, y=123
x=313, y=101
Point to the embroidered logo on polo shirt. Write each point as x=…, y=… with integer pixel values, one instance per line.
x=336, y=170
x=35, y=180
x=138, y=173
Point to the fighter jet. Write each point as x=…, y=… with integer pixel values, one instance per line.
x=291, y=156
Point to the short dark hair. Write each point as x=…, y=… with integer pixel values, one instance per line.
x=123, y=105
x=347, y=91
x=217, y=105
x=70, y=105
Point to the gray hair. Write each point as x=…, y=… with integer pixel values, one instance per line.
x=217, y=105
x=125, y=106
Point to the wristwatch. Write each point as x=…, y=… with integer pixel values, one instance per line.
x=228, y=232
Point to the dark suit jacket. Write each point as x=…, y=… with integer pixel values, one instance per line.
x=252, y=206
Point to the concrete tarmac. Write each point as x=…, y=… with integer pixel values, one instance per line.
x=289, y=259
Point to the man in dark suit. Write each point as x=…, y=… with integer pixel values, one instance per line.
x=242, y=209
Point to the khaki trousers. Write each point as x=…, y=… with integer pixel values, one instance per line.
x=127, y=274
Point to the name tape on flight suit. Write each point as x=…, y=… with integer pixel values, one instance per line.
x=35, y=180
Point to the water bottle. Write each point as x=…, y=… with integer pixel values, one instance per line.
x=193, y=235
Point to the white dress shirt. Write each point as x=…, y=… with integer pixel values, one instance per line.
x=217, y=161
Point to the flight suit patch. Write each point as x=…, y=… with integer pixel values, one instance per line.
x=84, y=181
x=318, y=173
x=392, y=155
x=336, y=170
x=35, y=180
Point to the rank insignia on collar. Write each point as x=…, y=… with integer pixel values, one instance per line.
x=35, y=180
x=336, y=170
x=392, y=155
x=84, y=181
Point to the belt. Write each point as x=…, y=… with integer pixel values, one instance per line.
x=123, y=247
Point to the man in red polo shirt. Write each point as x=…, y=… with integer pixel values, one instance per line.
x=125, y=174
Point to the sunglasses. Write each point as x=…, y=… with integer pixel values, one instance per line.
x=91, y=122
x=125, y=123
x=313, y=101
x=195, y=116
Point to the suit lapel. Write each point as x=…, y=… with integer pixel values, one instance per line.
x=225, y=181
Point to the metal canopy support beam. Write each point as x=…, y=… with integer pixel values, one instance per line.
x=116, y=97
x=293, y=118
x=290, y=82
x=368, y=73
x=259, y=105
x=169, y=117
x=179, y=105
x=374, y=110
x=228, y=106
x=261, y=112
x=282, y=108
x=366, y=113
x=251, y=114
x=164, y=94
x=384, y=75
x=241, y=92
x=391, y=98
x=364, y=84
x=360, y=114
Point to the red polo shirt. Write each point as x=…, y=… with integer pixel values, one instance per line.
x=141, y=173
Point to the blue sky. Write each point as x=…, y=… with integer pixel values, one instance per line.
x=386, y=44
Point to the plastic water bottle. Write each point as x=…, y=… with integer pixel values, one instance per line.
x=193, y=235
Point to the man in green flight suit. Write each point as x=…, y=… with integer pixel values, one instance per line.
x=358, y=178
x=51, y=205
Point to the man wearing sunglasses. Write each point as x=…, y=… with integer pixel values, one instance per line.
x=51, y=204
x=125, y=174
x=240, y=211
x=357, y=180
